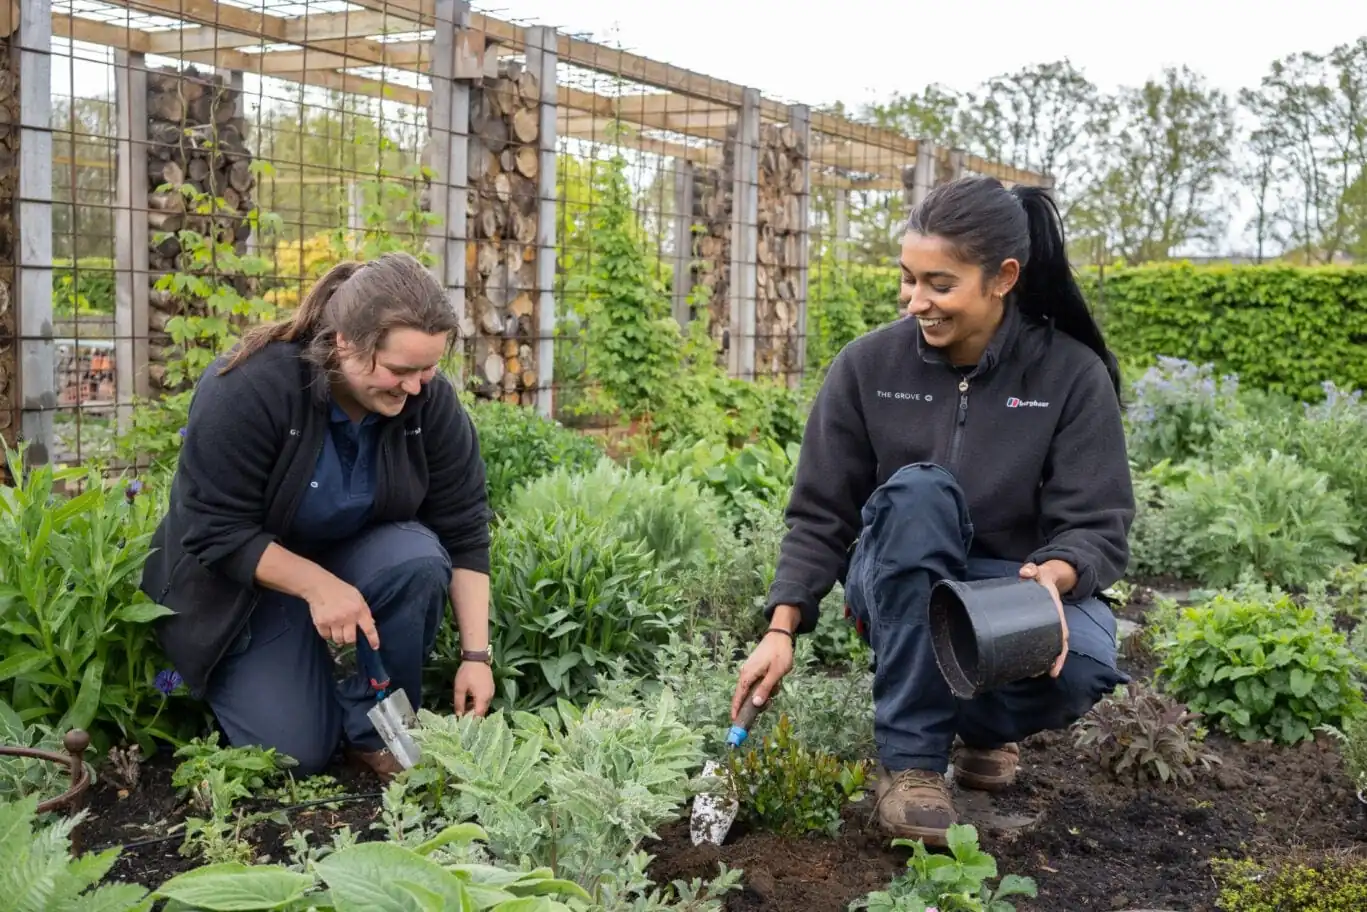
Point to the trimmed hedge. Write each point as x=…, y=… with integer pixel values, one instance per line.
x=1281, y=328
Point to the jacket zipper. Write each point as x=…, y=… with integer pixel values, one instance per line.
x=957, y=440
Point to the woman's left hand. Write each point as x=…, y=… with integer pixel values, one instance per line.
x=474, y=684
x=1049, y=575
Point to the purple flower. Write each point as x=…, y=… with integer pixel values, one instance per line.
x=133, y=490
x=168, y=680
x=182, y=433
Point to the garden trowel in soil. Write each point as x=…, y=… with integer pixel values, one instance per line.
x=392, y=715
x=714, y=814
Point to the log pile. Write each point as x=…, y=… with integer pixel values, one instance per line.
x=781, y=184
x=197, y=146
x=780, y=181
x=9, y=192
x=501, y=227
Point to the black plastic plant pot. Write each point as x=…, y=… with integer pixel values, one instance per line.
x=992, y=632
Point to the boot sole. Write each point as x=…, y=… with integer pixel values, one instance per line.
x=933, y=838
x=984, y=783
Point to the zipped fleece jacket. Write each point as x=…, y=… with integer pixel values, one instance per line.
x=1032, y=433
x=250, y=448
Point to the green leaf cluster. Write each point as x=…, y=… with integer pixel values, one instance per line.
x=1278, y=327
x=1261, y=669
x=1144, y=736
x=519, y=446
x=1332, y=886
x=957, y=882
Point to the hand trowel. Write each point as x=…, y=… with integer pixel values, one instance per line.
x=392, y=715
x=714, y=814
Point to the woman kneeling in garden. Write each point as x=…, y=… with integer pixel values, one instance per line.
x=329, y=489
x=980, y=437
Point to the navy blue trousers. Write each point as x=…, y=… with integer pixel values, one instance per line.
x=917, y=531
x=277, y=686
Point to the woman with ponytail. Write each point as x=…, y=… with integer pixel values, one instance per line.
x=979, y=437
x=330, y=490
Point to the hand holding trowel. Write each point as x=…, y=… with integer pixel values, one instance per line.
x=392, y=715
x=714, y=814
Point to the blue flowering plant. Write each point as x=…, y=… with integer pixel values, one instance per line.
x=1176, y=409
x=76, y=642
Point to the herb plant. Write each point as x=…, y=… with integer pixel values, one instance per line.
x=519, y=446
x=1261, y=669
x=957, y=882
x=1144, y=736
x=791, y=790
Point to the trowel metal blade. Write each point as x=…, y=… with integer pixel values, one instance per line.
x=712, y=814
x=394, y=719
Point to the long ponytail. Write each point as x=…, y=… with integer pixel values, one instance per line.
x=988, y=224
x=1047, y=289
x=303, y=326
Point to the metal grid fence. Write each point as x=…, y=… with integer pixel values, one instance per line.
x=183, y=167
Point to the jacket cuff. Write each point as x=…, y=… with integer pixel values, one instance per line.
x=240, y=566
x=1086, y=576
x=786, y=593
x=475, y=559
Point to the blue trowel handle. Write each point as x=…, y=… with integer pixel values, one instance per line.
x=372, y=667
x=741, y=730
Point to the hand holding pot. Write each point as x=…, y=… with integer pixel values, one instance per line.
x=1055, y=576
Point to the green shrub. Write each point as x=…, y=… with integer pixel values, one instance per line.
x=680, y=522
x=1271, y=513
x=1160, y=544
x=1175, y=410
x=519, y=446
x=1327, y=436
x=786, y=788
x=76, y=642
x=569, y=595
x=83, y=287
x=1261, y=669
x=761, y=471
x=1282, y=328
x=1333, y=886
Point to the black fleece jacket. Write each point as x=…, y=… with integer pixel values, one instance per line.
x=1032, y=433
x=251, y=444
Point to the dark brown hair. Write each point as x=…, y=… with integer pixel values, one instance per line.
x=363, y=302
x=988, y=224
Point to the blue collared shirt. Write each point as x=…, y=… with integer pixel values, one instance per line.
x=341, y=493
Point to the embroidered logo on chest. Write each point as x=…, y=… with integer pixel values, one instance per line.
x=1013, y=402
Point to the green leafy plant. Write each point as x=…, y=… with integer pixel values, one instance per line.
x=1334, y=885
x=1177, y=409
x=957, y=882
x=679, y=521
x=1271, y=513
x=1261, y=669
x=76, y=644
x=251, y=767
x=1250, y=320
x=569, y=595
x=519, y=446
x=761, y=471
x=24, y=776
x=1144, y=736
x=791, y=790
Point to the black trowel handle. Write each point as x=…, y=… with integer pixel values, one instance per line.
x=372, y=666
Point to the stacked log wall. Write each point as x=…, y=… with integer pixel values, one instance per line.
x=777, y=279
x=501, y=224
x=9, y=242
x=196, y=135
x=713, y=193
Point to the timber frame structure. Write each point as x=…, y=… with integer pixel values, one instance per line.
x=499, y=98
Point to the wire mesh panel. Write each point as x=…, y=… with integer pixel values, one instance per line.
x=603, y=223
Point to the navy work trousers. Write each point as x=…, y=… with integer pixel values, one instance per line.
x=917, y=531
x=277, y=685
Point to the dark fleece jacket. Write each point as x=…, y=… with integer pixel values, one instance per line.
x=1033, y=434
x=250, y=448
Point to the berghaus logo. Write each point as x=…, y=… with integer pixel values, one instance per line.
x=1013, y=402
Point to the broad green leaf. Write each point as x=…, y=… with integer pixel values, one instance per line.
x=22, y=662
x=236, y=887
x=363, y=878
x=460, y=833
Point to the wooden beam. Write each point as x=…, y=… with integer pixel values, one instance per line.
x=802, y=126
x=131, y=270
x=449, y=127
x=683, y=240
x=107, y=34
x=541, y=63
x=37, y=392
x=744, y=239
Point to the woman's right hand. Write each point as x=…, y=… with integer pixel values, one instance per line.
x=338, y=608
x=771, y=660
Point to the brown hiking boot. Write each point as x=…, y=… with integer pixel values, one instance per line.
x=381, y=762
x=986, y=769
x=915, y=804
